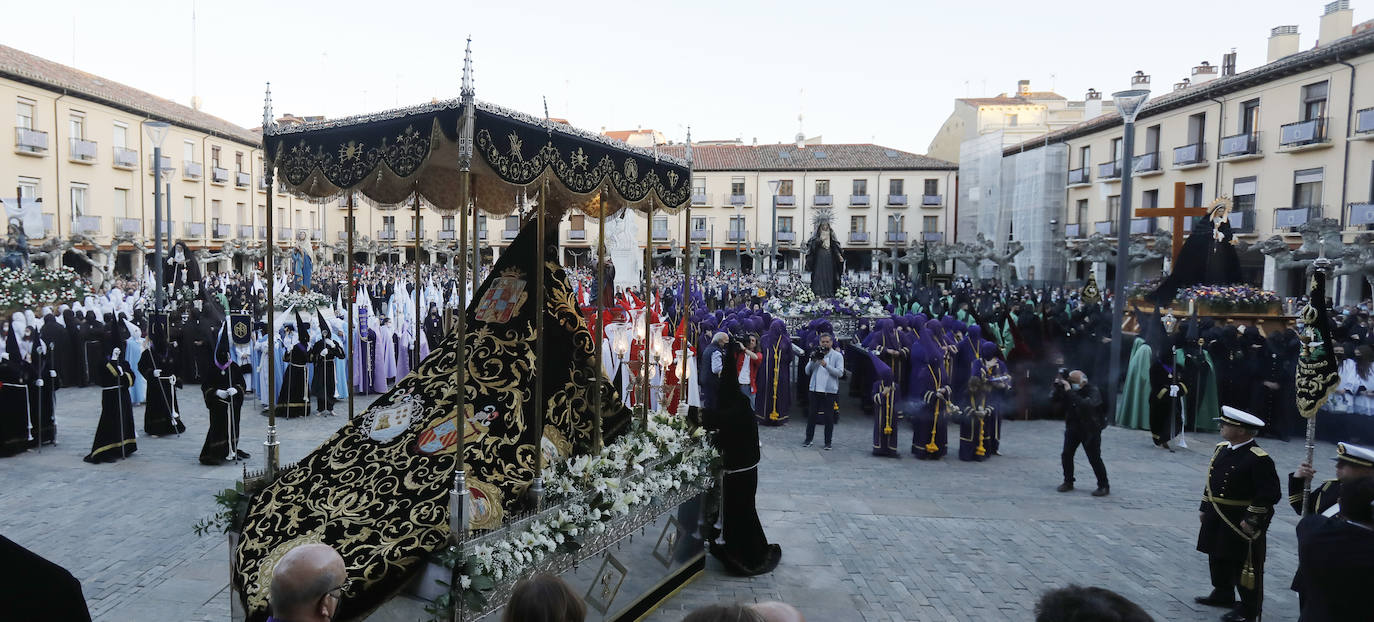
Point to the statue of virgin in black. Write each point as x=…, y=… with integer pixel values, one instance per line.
x=825, y=261
x=1208, y=257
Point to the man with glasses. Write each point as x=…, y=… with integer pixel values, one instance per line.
x=307, y=584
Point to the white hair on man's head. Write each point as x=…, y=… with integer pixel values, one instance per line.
x=719, y=338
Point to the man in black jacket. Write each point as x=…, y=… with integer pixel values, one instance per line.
x=1336, y=559
x=1084, y=419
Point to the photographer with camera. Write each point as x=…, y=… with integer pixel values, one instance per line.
x=825, y=368
x=1084, y=420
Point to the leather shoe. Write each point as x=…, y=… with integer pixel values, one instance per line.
x=1212, y=600
x=1234, y=616
x=1102, y=491
x=1065, y=487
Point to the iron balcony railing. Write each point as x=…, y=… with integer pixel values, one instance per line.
x=1364, y=121
x=1242, y=221
x=195, y=229
x=822, y=200
x=129, y=225
x=699, y=198
x=245, y=231
x=858, y=200
x=219, y=175
x=262, y=232
x=30, y=141
x=1109, y=170
x=221, y=231
x=125, y=158
x=386, y=234
x=577, y=234
x=82, y=150
x=932, y=236
x=192, y=170
x=932, y=200
x=48, y=227
x=1142, y=225
x=242, y=179
x=509, y=234
x=738, y=236
x=1105, y=227
x=858, y=237
x=896, y=200
x=410, y=235
x=1078, y=176
x=700, y=234
x=660, y=234
x=285, y=233
x=1195, y=153
x=1072, y=230
x=896, y=237
x=1296, y=216
x=86, y=224
x=262, y=184
x=1307, y=132
x=1239, y=145
x=448, y=234
x=787, y=200
x=1360, y=215
x=1145, y=162
x=741, y=199
x=787, y=237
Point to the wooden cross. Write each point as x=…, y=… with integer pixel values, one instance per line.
x=1177, y=212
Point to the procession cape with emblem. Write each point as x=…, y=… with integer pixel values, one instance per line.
x=378, y=489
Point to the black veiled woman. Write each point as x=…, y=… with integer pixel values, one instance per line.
x=223, y=388
x=15, y=382
x=162, y=416
x=292, y=399
x=93, y=340
x=746, y=550
x=42, y=390
x=114, y=435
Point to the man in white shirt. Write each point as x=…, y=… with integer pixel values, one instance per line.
x=825, y=368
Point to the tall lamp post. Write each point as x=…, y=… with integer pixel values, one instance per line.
x=1129, y=104
x=773, y=250
x=157, y=132
x=739, y=245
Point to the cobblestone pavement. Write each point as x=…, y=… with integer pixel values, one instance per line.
x=863, y=538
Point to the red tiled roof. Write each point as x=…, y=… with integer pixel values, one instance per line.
x=47, y=74
x=781, y=157
x=624, y=135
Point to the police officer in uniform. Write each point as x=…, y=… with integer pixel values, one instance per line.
x=1352, y=462
x=1237, y=505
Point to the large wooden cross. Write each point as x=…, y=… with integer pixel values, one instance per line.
x=1178, y=212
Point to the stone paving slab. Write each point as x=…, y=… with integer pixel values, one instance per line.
x=863, y=538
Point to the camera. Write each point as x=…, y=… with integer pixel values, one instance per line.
x=1063, y=373
x=819, y=353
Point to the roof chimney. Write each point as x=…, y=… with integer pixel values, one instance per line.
x=1092, y=104
x=1283, y=41
x=1204, y=72
x=1023, y=88
x=1337, y=22
x=1140, y=80
x=1179, y=86
x=1228, y=63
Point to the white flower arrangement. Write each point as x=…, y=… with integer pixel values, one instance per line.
x=589, y=492
x=22, y=289
x=303, y=301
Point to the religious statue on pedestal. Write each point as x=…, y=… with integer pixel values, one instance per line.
x=1208, y=257
x=16, y=246
x=824, y=259
x=302, y=265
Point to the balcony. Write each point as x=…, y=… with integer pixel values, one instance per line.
x=1190, y=156
x=221, y=231
x=660, y=234
x=1105, y=227
x=858, y=200
x=48, y=226
x=410, y=235
x=219, y=175
x=1109, y=170
x=448, y=234
x=1359, y=215
x=242, y=179
x=1240, y=147
x=740, y=200
x=787, y=237
x=699, y=198
x=129, y=225
x=195, y=229
x=1242, y=221
x=1297, y=216
x=126, y=159
x=262, y=232
x=1142, y=225
x=509, y=234
x=896, y=237
x=31, y=142
x=1146, y=164
x=1364, y=124
x=738, y=236
x=1303, y=135
x=896, y=200
x=858, y=237
x=932, y=200
x=932, y=236
x=701, y=235
x=81, y=150
x=1073, y=231
x=166, y=228
x=786, y=200
x=245, y=232
x=262, y=184
x=89, y=225
x=285, y=233
x=822, y=200
x=482, y=234
x=192, y=171
x=317, y=234
x=1079, y=177
x=386, y=234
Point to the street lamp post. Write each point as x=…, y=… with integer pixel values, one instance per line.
x=157, y=132
x=1129, y=104
x=739, y=249
x=773, y=250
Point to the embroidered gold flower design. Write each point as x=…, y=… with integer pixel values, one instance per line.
x=515, y=146
x=579, y=159
x=672, y=179
x=631, y=169
x=351, y=151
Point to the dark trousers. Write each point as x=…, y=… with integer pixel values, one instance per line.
x=822, y=410
x=1091, y=440
x=1225, y=573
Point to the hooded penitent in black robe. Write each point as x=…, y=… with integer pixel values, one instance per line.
x=324, y=354
x=291, y=398
x=61, y=357
x=162, y=414
x=746, y=550
x=42, y=395
x=15, y=383
x=222, y=438
x=93, y=339
x=114, y=435
x=73, y=369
